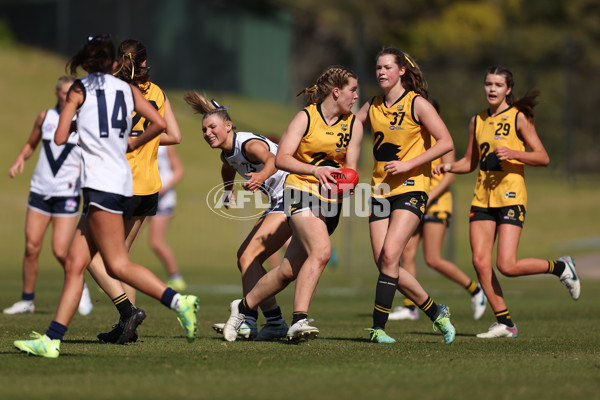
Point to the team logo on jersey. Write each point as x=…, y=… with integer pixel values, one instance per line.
x=49, y=127
x=510, y=195
x=344, y=127
x=409, y=182
x=400, y=107
x=504, y=117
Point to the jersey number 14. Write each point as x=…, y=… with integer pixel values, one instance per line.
x=118, y=119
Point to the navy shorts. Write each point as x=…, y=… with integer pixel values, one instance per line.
x=381, y=208
x=54, y=206
x=142, y=206
x=512, y=215
x=166, y=204
x=111, y=202
x=296, y=201
x=276, y=207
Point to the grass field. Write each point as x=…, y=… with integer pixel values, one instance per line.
x=555, y=356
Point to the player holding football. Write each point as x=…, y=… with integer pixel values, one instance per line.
x=498, y=138
x=253, y=158
x=402, y=122
x=321, y=138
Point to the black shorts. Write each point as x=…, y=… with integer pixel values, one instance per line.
x=111, y=202
x=512, y=215
x=295, y=201
x=381, y=208
x=142, y=206
x=438, y=217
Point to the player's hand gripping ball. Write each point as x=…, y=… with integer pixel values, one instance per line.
x=346, y=181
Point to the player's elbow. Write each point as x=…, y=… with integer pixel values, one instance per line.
x=546, y=161
x=279, y=161
x=162, y=124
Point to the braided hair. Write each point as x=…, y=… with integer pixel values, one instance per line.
x=335, y=76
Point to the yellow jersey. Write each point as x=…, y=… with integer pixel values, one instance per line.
x=499, y=183
x=322, y=145
x=444, y=201
x=397, y=135
x=144, y=167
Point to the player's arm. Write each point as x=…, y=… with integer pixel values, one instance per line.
x=353, y=150
x=227, y=175
x=29, y=147
x=257, y=151
x=290, y=140
x=74, y=100
x=432, y=123
x=466, y=164
x=146, y=110
x=537, y=156
x=176, y=168
x=446, y=180
x=172, y=135
x=363, y=114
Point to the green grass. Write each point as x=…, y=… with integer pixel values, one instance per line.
x=555, y=355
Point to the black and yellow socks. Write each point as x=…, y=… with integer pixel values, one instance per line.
x=473, y=288
x=124, y=306
x=503, y=317
x=430, y=308
x=556, y=267
x=384, y=297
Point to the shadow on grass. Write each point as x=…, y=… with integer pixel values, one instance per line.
x=82, y=341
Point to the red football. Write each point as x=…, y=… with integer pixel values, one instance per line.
x=346, y=179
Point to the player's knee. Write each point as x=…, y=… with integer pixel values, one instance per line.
x=60, y=254
x=32, y=249
x=117, y=269
x=73, y=265
x=480, y=263
x=155, y=244
x=113, y=274
x=434, y=262
x=245, y=260
x=321, y=254
x=507, y=268
x=385, y=259
x=287, y=275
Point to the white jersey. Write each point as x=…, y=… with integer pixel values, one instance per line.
x=273, y=185
x=104, y=123
x=169, y=199
x=164, y=165
x=58, y=169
